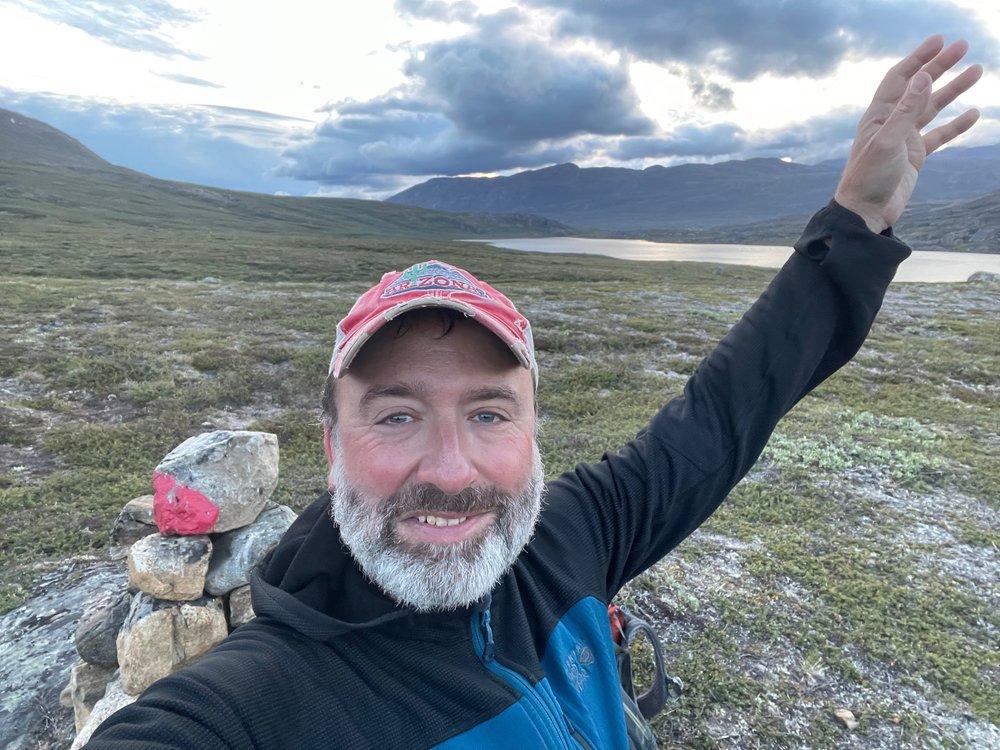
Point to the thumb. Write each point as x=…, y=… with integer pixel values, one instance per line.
x=904, y=118
x=918, y=84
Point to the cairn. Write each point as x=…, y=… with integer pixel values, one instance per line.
x=191, y=547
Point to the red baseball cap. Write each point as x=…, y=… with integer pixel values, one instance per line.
x=432, y=284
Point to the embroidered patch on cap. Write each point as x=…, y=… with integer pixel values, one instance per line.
x=432, y=276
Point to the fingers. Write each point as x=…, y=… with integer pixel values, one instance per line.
x=934, y=139
x=946, y=59
x=950, y=92
x=930, y=56
x=925, y=52
x=894, y=84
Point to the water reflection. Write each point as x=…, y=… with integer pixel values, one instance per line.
x=922, y=265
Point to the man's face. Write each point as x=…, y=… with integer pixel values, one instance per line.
x=436, y=476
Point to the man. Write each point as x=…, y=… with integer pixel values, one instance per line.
x=433, y=599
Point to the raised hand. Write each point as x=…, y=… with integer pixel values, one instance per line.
x=889, y=148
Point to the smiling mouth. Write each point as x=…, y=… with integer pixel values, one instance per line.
x=439, y=521
x=443, y=527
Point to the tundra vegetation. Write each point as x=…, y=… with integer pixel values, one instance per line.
x=857, y=567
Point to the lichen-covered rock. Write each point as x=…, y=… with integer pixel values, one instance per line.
x=133, y=523
x=114, y=699
x=37, y=652
x=240, y=607
x=215, y=482
x=161, y=637
x=171, y=568
x=87, y=685
x=236, y=552
x=98, y=629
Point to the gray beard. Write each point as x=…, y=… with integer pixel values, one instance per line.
x=436, y=577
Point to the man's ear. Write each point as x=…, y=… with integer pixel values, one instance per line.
x=330, y=456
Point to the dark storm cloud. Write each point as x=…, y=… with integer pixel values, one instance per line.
x=375, y=143
x=138, y=26
x=491, y=100
x=713, y=96
x=747, y=38
x=514, y=89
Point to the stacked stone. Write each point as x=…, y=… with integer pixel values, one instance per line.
x=191, y=547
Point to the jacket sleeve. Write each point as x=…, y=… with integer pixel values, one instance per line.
x=179, y=714
x=633, y=506
x=238, y=695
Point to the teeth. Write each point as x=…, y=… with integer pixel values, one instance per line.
x=436, y=521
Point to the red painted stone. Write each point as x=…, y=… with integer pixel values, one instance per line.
x=179, y=509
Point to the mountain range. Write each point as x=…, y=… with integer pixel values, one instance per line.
x=689, y=196
x=49, y=180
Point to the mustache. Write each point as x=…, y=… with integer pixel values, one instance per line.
x=471, y=500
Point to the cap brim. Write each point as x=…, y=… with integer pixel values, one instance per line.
x=350, y=348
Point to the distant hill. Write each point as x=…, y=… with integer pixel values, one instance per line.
x=969, y=225
x=689, y=196
x=972, y=224
x=47, y=178
x=27, y=141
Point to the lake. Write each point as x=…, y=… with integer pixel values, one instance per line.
x=922, y=265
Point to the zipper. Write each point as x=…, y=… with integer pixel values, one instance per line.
x=546, y=716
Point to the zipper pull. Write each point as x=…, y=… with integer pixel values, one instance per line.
x=489, y=651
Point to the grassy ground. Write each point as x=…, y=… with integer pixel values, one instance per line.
x=857, y=567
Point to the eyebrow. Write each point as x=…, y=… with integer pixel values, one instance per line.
x=398, y=390
x=493, y=393
x=410, y=390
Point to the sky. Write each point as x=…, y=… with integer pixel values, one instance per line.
x=366, y=98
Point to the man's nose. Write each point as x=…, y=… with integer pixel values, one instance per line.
x=447, y=463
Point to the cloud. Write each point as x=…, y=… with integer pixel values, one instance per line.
x=385, y=142
x=812, y=140
x=816, y=139
x=704, y=142
x=140, y=26
x=512, y=89
x=744, y=39
x=190, y=80
x=711, y=96
x=493, y=99
x=437, y=10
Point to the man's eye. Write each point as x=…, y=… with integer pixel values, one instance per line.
x=398, y=419
x=488, y=417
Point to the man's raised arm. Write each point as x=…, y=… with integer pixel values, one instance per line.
x=811, y=320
